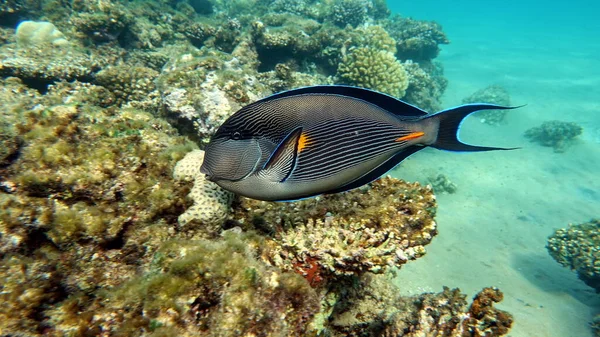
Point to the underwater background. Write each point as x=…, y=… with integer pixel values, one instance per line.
x=543, y=54
x=107, y=227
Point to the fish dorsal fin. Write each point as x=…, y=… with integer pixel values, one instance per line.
x=283, y=160
x=386, y=102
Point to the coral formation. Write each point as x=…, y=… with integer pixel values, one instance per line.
x=416, y=40
x=81, y=199
x=377, y=310
x=493, y=94
x=576, y=248
x=211, y=203
x=346, y=234
x=374, y=69
x=39, y=67
x=556, y=134
x=130, y=85
x=371, y=63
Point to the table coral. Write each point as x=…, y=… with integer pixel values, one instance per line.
x=578, y=248
x=43, y=66
x=556, y=134
x=493, y=94
x=363, y=230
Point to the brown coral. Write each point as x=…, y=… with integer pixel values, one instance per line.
x=363, y=230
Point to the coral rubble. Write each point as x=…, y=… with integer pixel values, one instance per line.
x=556, y=134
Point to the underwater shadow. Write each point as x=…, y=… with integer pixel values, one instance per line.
x=546, y=274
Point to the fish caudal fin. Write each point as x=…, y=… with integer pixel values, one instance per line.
x=449, y=125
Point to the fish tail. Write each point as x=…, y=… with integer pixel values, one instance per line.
x=449, y=125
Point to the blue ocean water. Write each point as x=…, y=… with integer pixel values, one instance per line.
x=494, y=230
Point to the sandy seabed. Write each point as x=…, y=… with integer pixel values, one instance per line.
x=493, y=231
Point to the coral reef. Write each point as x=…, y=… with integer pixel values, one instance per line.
x=101, y=21
x=576, y=248
x=86, y=192
x=349, y=12
x=416, y=40
x=133, y=86
x=43, y=65
x=338, y=235
x=493, y=94
x=198, y=287
x=556, y=134
x=374, y=308
x=199, y=91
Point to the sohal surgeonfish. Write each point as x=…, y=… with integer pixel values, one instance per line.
x=325, y=139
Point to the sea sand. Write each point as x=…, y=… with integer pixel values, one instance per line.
x=493, y=230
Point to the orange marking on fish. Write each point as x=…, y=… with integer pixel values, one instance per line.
x=410, y=136
x=303, y=142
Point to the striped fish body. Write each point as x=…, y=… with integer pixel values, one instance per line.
x=324, y=139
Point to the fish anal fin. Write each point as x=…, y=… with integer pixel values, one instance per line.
x=283, y=160
x=378, y=171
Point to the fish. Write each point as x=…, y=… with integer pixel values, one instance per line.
x=325, y=139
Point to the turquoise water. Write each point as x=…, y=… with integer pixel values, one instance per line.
x=58, y=260
x=546, y=55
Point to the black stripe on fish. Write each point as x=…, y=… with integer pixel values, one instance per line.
x=334, y=153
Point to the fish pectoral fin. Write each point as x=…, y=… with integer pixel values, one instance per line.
x=283, y=160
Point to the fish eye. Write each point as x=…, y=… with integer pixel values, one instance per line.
x=236, y=135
